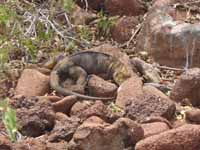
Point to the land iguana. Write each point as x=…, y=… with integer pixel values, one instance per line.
x=78, y=66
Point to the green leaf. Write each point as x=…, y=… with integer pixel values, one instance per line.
x=9, y=119
x=3, y=105
x=68, y=5
x=6, y=14
x=104, y=24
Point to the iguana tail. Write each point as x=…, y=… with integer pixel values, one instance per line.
x=54, y=83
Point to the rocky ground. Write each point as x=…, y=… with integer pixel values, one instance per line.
x=157, y=108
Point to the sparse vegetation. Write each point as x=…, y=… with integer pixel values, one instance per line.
x=9, y=119
x=68, y=5
x=104, y=24
x=71, y=46
x=6, y=19
x=115, y=108
x=84, y=33
x=3, y=57
x=6, y=15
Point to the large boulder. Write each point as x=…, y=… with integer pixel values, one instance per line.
x=100, y=136
x=169, y=39
x=34, y=116
x=186, y=137
x=130, y=90
x=32, y=83
x=64, y=128
x=98, y=109
x=124, y=28
x=154, y=128
x=92, y=4
x=187, y=87
x=148, y=89
x=100, y=88
x=193, y=116
x=125, y=7
x=149, y=105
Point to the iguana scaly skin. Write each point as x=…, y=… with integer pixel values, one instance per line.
x=80, y=65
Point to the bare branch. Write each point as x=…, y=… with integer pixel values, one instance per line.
x=52, y=25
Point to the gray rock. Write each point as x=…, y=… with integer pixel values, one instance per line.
x=150, y=73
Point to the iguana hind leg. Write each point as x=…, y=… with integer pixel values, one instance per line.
x=80, y=76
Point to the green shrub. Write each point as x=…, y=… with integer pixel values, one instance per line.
x=9, y=119
x=104, y=24
x=84, y=33
x=68, y=5
x=5, y=15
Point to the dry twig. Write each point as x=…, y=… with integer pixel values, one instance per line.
x=169, y=68
x=134, y=34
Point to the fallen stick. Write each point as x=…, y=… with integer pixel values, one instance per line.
x=170, y=68
x=134, y=34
